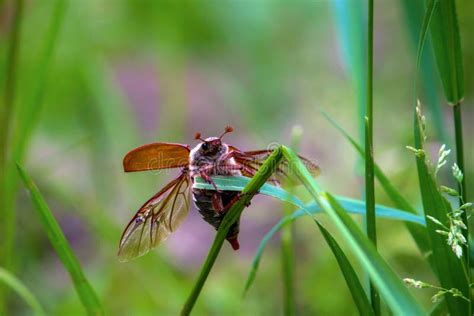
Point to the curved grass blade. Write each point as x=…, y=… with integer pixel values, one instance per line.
x=447, y=49
x=389, y=285
x=350, y=205
x=252, y=188
x=351, y=28
x=7, y=216
x=14, y=283
x=419, y=234
x=414, y=12
x=26, y=117
x=287, y=250
x=451, y=271
x=356, y=289
x=238, y=183
x=55, y=235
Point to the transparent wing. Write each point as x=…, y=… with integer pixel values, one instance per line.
x=156, y=219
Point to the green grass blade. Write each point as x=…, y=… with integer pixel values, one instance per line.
x=414, y=12
x=238, y=183
x=447, y=49
x=14, y=283
x=55, y=235
x=350, y=205
x=287, y=253
x=355, y=287
x=252, y=188
x=451, y=271
x=349, y=18
x=26, y=117
x=419, y=234
x=439, y=309
x=7, y=216
x=389, y=285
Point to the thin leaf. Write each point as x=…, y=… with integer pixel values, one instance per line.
x=349, y=16
x=419, y=234
x=350, y=205
x=414, y=12
x=26, y=117
x=238, y=183
x=252, y=188
x=356, y=289
x=7, y=216
x=18, y=286
x=447, y=49
x=451, y=271
x=55, y=235
x=387, y=282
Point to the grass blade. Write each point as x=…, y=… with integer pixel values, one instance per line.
x=55, y=235
x=350, y=205
x=349, y=17
x=447, y=49
x=451, y=271
x=7, y=216
x=26, y=118
x=388, y=283
x=14, y=283
x=419, y=234
x=370, y=224
x=357, y=291
x=261, y=176
x=238, y=183
x=414, y=12
x=286, y=241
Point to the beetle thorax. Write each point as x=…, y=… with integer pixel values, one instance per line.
x=211, y=154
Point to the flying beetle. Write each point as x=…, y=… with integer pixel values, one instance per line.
x=166, y=210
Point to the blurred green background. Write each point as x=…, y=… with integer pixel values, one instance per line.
x=125, y=73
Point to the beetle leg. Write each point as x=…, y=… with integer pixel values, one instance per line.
x=217, y=203
x=209, y=180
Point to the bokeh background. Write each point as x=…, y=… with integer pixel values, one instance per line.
x=125, y=73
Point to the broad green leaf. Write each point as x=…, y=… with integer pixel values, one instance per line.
x=18, y=286
x=55, y=235
x=390, y=286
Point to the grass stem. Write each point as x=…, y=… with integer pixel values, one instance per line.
x=7, y=216
x=460, y=162
x=262, y=175
x=369, y=152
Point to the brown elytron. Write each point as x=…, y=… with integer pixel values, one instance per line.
x=166, y=210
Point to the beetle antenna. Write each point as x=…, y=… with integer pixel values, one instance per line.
x=198, y=136
x=228, y=129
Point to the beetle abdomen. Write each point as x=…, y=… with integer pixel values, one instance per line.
x=203, y=201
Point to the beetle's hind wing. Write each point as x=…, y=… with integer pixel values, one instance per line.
x=156, y=219
x=252, y=160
